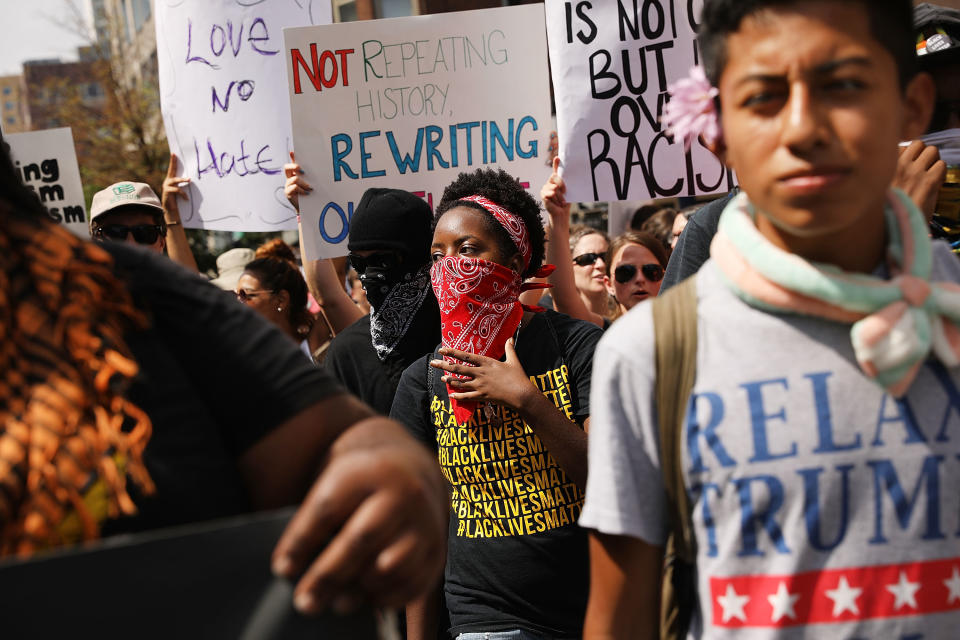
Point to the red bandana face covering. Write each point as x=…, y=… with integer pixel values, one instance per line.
x=480, y=300
x=479, y=311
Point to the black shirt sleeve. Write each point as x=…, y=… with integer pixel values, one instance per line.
x=237, y=369
x=578, y=341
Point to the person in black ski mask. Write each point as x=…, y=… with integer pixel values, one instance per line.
x=389, y=244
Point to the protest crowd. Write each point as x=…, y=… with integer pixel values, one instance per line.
x=735, y=416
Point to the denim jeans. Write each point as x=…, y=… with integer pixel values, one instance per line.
x=516, y=634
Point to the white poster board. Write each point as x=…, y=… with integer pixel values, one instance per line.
x=46, y=161
x=223, y=96
x=409, y=103
x=611, y=64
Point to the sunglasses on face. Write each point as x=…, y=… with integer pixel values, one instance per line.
x=384, y=261
x=627, y=272
x=587, y=259
x=142, y=233
x=246, y=296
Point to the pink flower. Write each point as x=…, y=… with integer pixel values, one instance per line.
x=691, y=111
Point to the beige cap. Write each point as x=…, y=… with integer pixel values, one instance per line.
x=230, y=265
x=123, y=194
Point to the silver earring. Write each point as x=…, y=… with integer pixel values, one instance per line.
x=279, y=309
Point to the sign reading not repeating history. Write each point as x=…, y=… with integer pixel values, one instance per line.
x=223, y=97
x=611, y=64
x=46, y=162
x=410, y=103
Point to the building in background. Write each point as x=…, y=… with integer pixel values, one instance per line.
x=12, y=108
x=125, y=30
x=47, y=84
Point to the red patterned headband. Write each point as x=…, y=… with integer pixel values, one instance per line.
x=511, y=222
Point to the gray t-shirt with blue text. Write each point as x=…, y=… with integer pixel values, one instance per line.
x=822, y=507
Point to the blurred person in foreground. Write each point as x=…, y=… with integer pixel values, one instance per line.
x=135, y=395
x=821, y=422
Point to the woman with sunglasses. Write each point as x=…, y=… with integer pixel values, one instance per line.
x=579, y=288
x=635, y=265
x=273, y=286
x=504, y=404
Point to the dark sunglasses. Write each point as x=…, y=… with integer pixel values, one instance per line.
x=627, y=272
x=587, y=259
x=245, y=296
x=384, y=260
x=142, y=233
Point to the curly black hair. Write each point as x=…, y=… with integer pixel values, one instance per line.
x=498, y=186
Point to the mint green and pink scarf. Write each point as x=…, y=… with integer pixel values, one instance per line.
x=896, y=322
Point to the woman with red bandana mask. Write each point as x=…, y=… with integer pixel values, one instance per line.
x=504, y=403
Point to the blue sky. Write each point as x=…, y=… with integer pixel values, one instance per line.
x=30, y=33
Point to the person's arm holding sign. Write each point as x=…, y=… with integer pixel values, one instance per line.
x=322, y=279
x=566, y=298
x=177, y=246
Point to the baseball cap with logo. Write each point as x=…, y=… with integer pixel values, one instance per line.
x=124, y=194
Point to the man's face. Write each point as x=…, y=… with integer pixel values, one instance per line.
x=126, y=224
x=812, y=112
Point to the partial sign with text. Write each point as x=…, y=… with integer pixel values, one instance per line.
x=46, y=162
x=410, y=103
x=611, y=64
x=223, y=96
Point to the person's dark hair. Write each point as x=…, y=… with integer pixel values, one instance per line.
x=277, y=270
x=502, y=188
x=276, y=248
x=660, y=225
x=891, y=22
x=20, y=200
x=641, y=238
x=642, y=214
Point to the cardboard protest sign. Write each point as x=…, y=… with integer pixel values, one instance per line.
x=611, y=64
x=410, y=103
x=223, y=96
x=46, y=161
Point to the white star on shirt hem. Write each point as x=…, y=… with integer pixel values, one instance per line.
x=733, y=604
x=953, y=584
x=844, y=597
x=904, y=592
x=782, y=602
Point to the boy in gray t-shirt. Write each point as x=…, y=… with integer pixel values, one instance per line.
x=820, y=446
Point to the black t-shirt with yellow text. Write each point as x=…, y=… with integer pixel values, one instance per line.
x=516, y=557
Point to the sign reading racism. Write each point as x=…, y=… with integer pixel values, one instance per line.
x=223, y=96
x=410, y=103
x=611, y=64
x=46, y=162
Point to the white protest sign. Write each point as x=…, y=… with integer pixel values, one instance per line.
x=410, y=103
x=223, y=96
x=611, y=64
x=46, y=161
